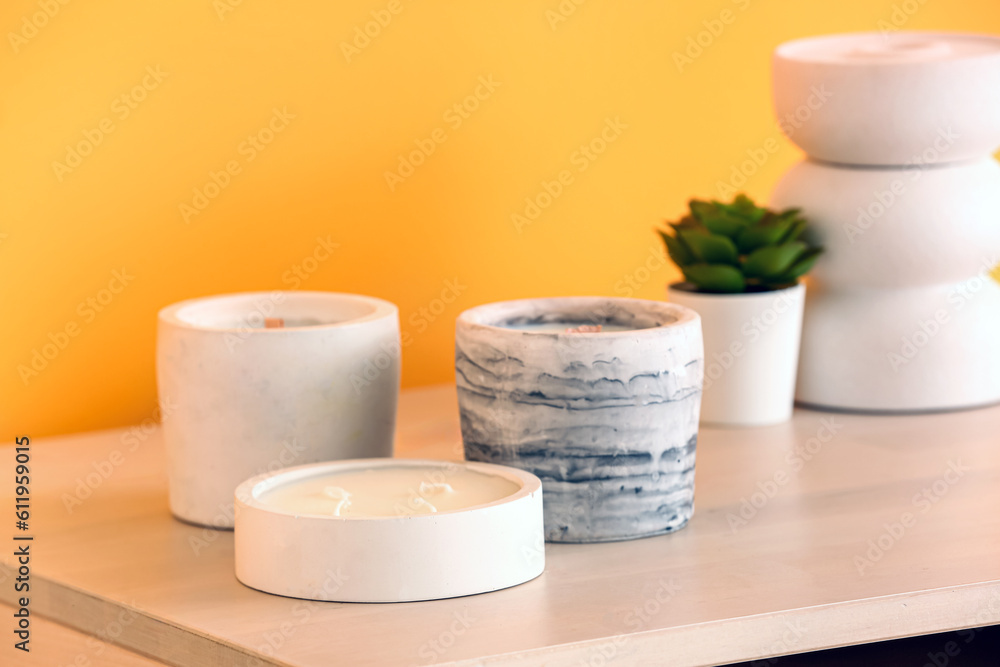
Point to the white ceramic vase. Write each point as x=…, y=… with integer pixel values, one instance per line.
x=251, y=399
x=751, y=353
x=902, y=191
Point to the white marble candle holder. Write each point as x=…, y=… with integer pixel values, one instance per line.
x=397, y=556
x=607, y=420
x=251, y=399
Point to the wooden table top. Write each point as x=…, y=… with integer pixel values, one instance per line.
x=829, y=530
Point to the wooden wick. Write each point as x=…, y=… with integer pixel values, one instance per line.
x=274, y=323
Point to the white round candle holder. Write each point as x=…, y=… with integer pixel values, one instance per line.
x=245, y=399
x=402, y=558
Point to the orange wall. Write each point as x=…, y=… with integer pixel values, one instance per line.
x=344, y=116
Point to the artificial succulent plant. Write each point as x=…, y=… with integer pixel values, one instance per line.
x=739, y=247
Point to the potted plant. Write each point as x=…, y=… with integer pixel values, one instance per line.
x=742, y=264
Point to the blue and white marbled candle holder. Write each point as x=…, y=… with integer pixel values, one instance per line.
x=607, y=420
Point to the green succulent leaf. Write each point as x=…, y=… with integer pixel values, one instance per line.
x=715, y=277
x=710, y=248
x=773, y=261
x=744, y=207
x=804, y=263
x=725, y=223
x=794, y=230
x=789, y=213
x=758, y=236
x=688, y=223
x=678, y=252
x=701, y=209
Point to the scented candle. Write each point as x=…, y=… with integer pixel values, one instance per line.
x=607, y=419
x=389, y=530
x=268, y=380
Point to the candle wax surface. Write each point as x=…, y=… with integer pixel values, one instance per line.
x=389, y=491
x=560, y=327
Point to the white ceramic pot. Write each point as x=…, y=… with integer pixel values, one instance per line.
x=896, y=228
x=751, y=353
x=251, y=399
x=389, y=558
x=890, y=99
x=608, y=420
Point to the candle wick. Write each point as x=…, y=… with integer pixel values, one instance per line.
x=585, y=328
x=434, y=488
x=274, y=323
x=342, y=498
x=423, y=506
